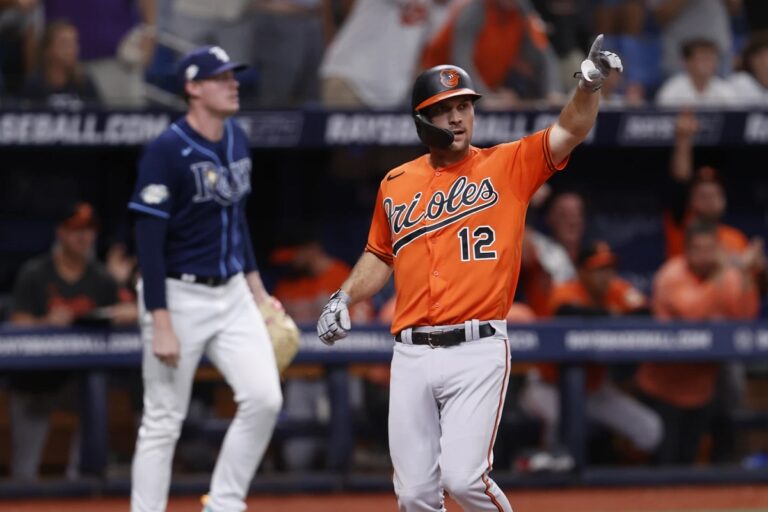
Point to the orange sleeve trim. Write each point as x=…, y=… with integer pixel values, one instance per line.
x=548, y=154
x=545, y=147
x=386, y=258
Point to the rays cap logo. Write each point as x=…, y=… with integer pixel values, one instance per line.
x=206, y=62
x=449, y=78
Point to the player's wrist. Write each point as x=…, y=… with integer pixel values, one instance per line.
x=161, y=318
x=257, y=287
x=589, y=86
x=260, y=296
x=343, y=296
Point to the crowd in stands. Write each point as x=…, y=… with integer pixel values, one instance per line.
x=365, y=53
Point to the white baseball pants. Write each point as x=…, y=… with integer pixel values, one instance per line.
x=444, y=411
x=224, y=323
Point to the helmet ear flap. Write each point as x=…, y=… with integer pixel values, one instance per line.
x=430, y=134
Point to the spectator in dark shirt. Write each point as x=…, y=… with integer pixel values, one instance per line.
x=59, y=289
x=118, y=42
x=60, y=82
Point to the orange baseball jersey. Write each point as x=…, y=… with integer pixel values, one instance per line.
x=620, y=298
x=537, y=287
x=324, y=284
x=454, y=234
x=498, y=43
x=732, y=240
x=680, y=294
x=302, y=298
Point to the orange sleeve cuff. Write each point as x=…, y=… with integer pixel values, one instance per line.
x=386, y=258
x=553, y=166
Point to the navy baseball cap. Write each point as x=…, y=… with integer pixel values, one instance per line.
x=206, y=62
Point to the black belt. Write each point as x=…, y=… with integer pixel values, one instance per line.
x=191, y=278
x=446, y=338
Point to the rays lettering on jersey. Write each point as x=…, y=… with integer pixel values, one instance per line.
x=463, y=199
x=224, y=185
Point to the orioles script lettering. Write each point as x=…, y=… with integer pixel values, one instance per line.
x=463, y=198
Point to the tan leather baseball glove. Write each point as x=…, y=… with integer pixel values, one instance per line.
x=283, y=332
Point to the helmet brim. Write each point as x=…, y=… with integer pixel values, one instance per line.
x=445, y=95
x=229, y=66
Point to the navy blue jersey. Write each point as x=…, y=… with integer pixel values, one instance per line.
x=200, y=188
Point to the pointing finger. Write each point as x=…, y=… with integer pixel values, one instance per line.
x=594, y=52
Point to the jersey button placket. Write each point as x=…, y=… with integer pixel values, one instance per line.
x=432, y=243
x=433, y=275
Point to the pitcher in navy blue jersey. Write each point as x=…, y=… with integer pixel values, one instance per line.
x=200, y=288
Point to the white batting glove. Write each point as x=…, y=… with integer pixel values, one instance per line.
x=597, y=66
x=334, y=319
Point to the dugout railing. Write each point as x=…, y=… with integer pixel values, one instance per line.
x=569, y=343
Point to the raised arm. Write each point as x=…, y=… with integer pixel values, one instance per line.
x=369, y=276
x=578, y=116
x=576, y=119
x=681, y=161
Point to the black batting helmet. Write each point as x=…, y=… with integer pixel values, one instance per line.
x=433, y=85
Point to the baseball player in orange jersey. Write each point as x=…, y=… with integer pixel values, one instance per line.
x=450, y=225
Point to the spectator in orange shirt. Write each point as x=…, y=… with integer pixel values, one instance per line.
x=696, y=195
x=700, y=285
x=596, y=292
x=311, y=275
x=503, y=45
x=700, y=195
x=520, y=313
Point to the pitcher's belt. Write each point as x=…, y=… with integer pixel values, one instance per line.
x=206, y=280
